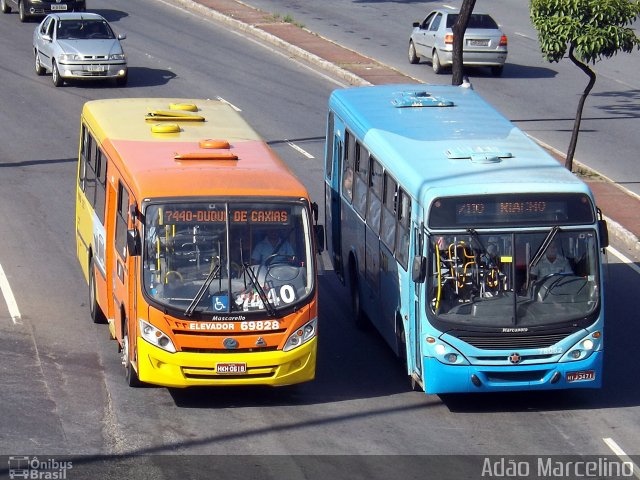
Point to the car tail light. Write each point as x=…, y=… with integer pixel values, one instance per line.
x=503, y=41
x=448, y=39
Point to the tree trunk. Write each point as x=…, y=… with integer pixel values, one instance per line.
x=568, y=163
x=458, y=40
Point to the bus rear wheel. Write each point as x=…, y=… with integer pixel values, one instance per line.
x=97, y=314
x=360, y=319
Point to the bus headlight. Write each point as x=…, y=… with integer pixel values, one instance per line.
x=302, y=335
x=444, y=352
x=156, y=337
x=584, y=347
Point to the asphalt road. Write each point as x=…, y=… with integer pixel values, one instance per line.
x=63, y=391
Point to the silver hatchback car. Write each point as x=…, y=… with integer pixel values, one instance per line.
x=484, y=42
x=78, y=46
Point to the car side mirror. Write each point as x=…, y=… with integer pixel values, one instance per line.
x=319, y=229
x=46, y=37
x=416, y=24
x=133, y=243
x=122, y=36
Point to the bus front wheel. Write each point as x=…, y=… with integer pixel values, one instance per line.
x=130, y=374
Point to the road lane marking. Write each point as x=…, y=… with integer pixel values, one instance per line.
x=9, y=298
x=298, y=149
x=615, y=448
x=229, y=103
x=625, y=259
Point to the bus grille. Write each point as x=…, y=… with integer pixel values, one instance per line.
x=519, y=342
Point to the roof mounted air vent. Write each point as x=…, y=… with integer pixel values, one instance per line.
x=478, y=154
x=165, y=128
x=419, y=99
x=173, y=115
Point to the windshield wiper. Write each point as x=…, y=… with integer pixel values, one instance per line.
x=246, y=268
x=540, y=252
x=543, y=247
x=205, y=286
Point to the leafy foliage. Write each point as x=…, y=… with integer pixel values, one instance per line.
x=594, y=28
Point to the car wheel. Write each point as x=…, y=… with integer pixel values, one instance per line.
x=435, y=63
x=497, y=71
x=5, y=8
x=55, y=75
x=40, y=70
x=22, y=13
x=413, y=56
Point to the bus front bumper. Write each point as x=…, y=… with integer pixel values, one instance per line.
x=441, y=378
x=186, y=369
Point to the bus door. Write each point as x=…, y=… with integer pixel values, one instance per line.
x=118, y=218
x=415, y=319
x=333, y=175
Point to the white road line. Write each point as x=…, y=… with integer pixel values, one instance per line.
x=523, y=35
x=9, y=298
x=626, y=260
x=229, y=103
x=298, y=149
x=615, y=448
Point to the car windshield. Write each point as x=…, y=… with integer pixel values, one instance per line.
x=227, y=257
x=84, y=30
x=476, y=20
x=513, y=279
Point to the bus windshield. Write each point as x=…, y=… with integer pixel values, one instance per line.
x=522, y=279
x=223, y=257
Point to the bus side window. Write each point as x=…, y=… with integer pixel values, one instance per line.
x=101, y=184
x=388, y=231
x=361, y=179
x=348, y=166
x=122, y=217
x=374, y=201
x=404, y=219
x=85, y=154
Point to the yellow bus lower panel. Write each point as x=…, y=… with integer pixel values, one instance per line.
x=185, y=369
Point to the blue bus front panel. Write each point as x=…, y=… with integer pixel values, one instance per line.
x=442, y=378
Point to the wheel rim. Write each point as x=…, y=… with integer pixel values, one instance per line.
x=125, y=351
x=54, y=73
x=92, y=294
x=38, y=66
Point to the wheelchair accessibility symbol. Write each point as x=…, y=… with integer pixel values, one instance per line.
x=220, y=303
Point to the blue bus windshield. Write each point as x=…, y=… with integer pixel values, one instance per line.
x=513, y=279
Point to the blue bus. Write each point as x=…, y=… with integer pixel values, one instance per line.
x=475, y=254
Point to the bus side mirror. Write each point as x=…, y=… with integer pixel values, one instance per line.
x=314, y=210
x=603, y=232
x=133, y=243
x=319, y=229
x=419, y=269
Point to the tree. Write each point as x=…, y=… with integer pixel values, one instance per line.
x=587, y=31
x=458, y=29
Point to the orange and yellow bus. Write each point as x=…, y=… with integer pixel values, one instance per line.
x=197, y=243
